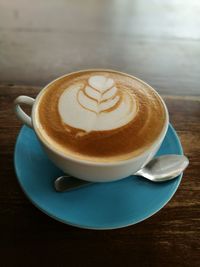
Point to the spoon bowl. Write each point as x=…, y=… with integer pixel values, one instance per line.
x=164, y=168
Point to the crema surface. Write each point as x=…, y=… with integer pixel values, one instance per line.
x=100, y=115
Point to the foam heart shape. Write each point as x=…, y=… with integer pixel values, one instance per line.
x=100, y=83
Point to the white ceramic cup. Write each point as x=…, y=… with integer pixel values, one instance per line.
x=83, y=169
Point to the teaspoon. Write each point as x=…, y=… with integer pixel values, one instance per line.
x=159, y=169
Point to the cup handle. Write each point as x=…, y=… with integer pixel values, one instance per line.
x=19, y=111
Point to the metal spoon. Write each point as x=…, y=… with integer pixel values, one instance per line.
x=159, y=169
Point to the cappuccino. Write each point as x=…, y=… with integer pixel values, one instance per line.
x=100, y=115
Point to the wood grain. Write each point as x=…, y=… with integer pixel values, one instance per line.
x=157, y=41
x=169, y=238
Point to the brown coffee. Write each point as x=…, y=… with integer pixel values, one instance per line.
x=100, y=115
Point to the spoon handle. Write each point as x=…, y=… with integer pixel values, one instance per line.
x=67, y=183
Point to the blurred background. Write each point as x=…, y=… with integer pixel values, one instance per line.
x=157, y=41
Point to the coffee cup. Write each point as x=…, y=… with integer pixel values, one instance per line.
x=97, y=164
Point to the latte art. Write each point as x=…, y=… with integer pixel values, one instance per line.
x=97, y=105
x=100, y=115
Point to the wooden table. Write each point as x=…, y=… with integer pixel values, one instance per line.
x=156, y=41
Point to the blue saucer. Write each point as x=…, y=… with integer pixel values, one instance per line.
x=98, y=206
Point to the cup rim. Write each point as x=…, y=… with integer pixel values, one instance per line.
x=88, y=162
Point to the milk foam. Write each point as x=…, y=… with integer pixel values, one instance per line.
x=97, y=106
x=100, y=116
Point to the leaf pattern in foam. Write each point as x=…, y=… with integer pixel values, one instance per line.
x=96, y=109
x=100, y=95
